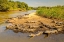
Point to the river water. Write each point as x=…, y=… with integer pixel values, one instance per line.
x=10, y=36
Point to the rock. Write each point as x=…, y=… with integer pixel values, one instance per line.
x=58, y=26
x=25, y=17
x=20, y=26
x=32, y=35
x=52, y=21
x=7, y=21
x=13, y=20
x=59, y=23
x=19, y=16
x=31, y=30
x=51, y=31
x=15, y=30
x=34, y=26
x=28, y=30
x=47, y=26
x=10, y=26
x=26, y=22
x=53, y=28
x=32, y=21
x=40, y=26
x=26, y=14
x=59, y=29
x=39, y=33
x=41, y=23
x=56, y=22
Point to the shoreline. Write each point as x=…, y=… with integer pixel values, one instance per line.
x=31, y=23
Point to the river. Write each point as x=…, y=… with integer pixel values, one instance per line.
x=10, y=36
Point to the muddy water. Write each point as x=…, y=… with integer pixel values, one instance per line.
x=10, y=36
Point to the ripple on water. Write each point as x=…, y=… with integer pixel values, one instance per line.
x=10, y=36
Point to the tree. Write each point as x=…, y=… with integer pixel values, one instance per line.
x=4, y=5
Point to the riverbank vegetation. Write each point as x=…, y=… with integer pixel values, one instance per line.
x=8, y=5
x=56, y=12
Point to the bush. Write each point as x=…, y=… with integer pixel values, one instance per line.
x=51, y=12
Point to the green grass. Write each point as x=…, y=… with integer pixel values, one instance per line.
x=52, y=12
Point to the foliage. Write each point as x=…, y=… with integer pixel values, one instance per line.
x=30, y=8
x=51, y=12
x=6, y=5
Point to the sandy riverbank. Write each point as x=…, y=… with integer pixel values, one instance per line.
x=32, y=23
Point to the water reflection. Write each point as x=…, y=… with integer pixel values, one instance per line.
x=5, y=15
x=12, y=36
